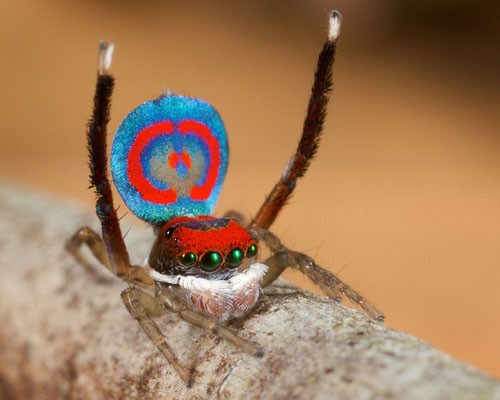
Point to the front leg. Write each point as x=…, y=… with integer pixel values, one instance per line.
x=142, y=307
x=176, y=302
x=329, y=284
x=212, y=326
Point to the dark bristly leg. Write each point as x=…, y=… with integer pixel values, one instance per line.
x=313, y=125
x=98, y=162
x=282, y=257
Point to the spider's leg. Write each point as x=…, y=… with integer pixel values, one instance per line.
x=174, y=299
x=142, y=307
x=332, y=286
x=87, y=236
x=313, y=125
x=94, y=242
x=98, y=162
x=216, y=328
x=329, y=284
x=278, y=261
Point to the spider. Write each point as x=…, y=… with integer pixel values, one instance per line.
x=168, y=160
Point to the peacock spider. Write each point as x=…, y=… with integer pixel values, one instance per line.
x=168, y=161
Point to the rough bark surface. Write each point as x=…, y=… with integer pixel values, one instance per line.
x=64, y=335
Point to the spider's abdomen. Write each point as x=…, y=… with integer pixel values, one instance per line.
x=169, y=158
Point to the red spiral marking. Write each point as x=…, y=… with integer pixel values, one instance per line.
x=202, y=192
x=166, y=196
x=136, y=171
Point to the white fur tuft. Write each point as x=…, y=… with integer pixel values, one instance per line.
x=172, y=279
x=210, y=295
x=254, y=273
x=220, y=298
x=246, y=288
x=105, y=56
x=211, y=287
x=335, y=24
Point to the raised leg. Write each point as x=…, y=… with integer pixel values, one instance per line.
x=329, y=284
x=313, y=126
x=98, y=162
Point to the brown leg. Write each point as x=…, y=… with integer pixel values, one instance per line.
x=86, y=236
x=98, y=161
x=176, y=303
x=95, y=244
x=332, y=286
x=329, y=284
x=212, y=326
x=311, y=131
x=142, y=307
x=278, y=261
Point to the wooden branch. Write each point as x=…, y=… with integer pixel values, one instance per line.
x=63, y=335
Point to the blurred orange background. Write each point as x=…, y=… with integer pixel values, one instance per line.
x=403, y=200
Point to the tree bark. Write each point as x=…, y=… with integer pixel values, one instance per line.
x=65, y=335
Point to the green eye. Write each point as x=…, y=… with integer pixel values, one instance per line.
x=234, y=258
x=188, y=259
x=210, y=261
x=252, y=251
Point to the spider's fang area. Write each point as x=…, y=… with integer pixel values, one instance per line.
x=335, y=24
x=105, y=56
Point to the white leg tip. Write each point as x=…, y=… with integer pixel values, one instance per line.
x=335, y=24
x=105, y=56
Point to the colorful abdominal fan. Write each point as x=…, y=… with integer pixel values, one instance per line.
x=169, y=158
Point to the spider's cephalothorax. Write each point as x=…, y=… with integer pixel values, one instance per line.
x=212, y=248
x=211, y=261
x=168, y=161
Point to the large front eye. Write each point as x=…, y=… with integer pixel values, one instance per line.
x=252, y=251
x=234, y=258
x=210, y=261
x=188, y=259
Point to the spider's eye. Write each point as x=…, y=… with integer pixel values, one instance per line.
x=169, y=232
x=252, y=251
x=234, y=258
x=188, y=259
x=210, y=261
